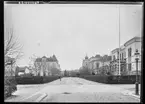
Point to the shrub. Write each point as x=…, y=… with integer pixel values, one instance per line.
x=130, y=79
x=35, y=79
x=10, y=85
x=29, y=80
x=47, y=79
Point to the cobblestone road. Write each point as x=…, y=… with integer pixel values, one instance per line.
x=78, y=90
x=81, y=90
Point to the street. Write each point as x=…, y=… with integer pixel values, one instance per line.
x=71, y=89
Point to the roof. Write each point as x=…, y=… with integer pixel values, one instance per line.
x=44, y=57
x=86, y=57
x=135, y=39
x=22, y=69
x=115, y=50
x=7, y=58
x=50, y=59
x=98, y=56
x=38, y=60
x=95, y=59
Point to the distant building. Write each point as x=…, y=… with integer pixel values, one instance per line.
x=85, y=62
x=44, y=66
x=9, y=66
x=97, y=63
x=22, y=70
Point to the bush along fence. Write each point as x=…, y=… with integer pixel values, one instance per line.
x=10, y=86
x=35, y=79
x=128, y=79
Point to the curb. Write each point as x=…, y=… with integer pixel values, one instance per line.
x=31, y=96
x=37, y=92
x=41, y=97
x=131, y=94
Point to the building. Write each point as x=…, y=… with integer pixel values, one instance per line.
x=9, y=66
x=130, y=49
x=23, y=71
x=96, y=63
x=127, y=57
x=45, y=66
x=85, y=62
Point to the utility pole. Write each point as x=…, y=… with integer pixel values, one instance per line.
x=119, y=40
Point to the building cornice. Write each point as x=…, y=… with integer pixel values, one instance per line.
x=135, y=39
x=115, y=50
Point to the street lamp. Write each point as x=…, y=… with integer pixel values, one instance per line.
x=136, y=84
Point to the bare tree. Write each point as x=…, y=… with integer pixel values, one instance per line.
x=12, y=48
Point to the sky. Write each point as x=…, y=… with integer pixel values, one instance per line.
x=71, y=31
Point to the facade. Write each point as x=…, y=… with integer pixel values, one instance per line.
x=22, y=70
x=85, y=62
x=97, y=63
x=9, y=68
x=114, y=54
x=44, y=66
x=104, y=64
x=130, y=49
x=127, y=57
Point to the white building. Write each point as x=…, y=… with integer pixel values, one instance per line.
x=114, y=54
x=127, y=52
x=95, y=63
x=130, y=49
x=27, y=71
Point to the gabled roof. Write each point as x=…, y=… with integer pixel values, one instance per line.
x=38, y=60
x=44, y=57
x=50, y=59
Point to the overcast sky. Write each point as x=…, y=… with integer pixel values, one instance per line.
x=70, y=31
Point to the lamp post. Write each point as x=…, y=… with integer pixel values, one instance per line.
x=136, y=84
x=124, y=65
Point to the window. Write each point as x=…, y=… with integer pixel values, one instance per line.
x=97, y=65
x=129, y=52
x=114, y=57
x=129, y=67
x=122, y=56
x=115, y=66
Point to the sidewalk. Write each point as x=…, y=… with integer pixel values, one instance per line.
x=129, y=89
x=24, y=91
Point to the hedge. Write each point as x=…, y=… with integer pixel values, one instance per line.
x=10, y=86
x=130, y=79
x=29, y=80
x=35, y=79
x=47, y=79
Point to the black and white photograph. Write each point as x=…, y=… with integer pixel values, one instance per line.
x=73, y=52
